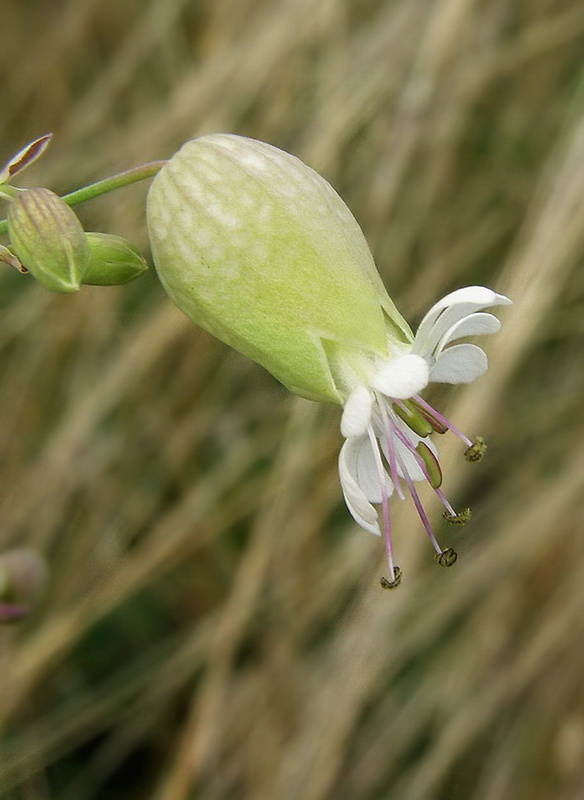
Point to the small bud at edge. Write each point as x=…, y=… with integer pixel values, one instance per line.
x=114, y=260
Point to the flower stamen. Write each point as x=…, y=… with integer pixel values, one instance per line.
x=457, y=519
x=436, y=425
x=415, y=418
x=449, y=514
x=447, y=557
x=431, y=464
x=476, y=450
x=418, y=504
x=431, y=411
x=385, y=584
x=388, y=426
x=384, y=505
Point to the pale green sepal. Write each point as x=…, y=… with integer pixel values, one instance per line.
x=48, y=239
x=8, y=192
x=258, y=249
x=24, y=158
x=114, y=260
x=7, y=257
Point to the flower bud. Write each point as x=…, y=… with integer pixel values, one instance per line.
x=48, y=239
x=114, y=260
x=259, y=250
x=23, y=578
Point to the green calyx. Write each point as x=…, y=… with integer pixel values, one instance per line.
x=114, y=260
x=259, y=250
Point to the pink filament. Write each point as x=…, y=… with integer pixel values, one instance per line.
x=384, y=504
x=427, y=407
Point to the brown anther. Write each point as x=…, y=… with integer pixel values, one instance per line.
x=387, y=584
x=458, y=519
x=447, y=557
x=477, y=450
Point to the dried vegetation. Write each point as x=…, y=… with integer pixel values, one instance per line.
x=214, y=626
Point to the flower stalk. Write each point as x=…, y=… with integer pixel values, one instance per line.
x=31, y=152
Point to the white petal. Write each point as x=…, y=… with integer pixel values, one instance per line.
x=461, y=363
x=451, y=309
x=368, y=474
x=357, y=412
x=402, y=377
x=359, y=506
x=361, y=461
x=471, y=325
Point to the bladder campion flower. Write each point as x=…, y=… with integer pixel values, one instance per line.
x=260, y=250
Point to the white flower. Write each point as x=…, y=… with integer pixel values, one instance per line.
x=386, y=422
x=260, y=250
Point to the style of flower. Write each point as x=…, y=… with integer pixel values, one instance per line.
x=387, y=424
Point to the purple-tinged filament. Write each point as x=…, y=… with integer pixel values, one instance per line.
x=395, y=420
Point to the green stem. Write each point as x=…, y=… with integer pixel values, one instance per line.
x=106, y=185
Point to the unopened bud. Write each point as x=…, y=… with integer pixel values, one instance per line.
x=48, y=239
x=23, y=577
x=114, y=260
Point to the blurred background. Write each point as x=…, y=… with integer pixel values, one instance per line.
x=213, y=625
